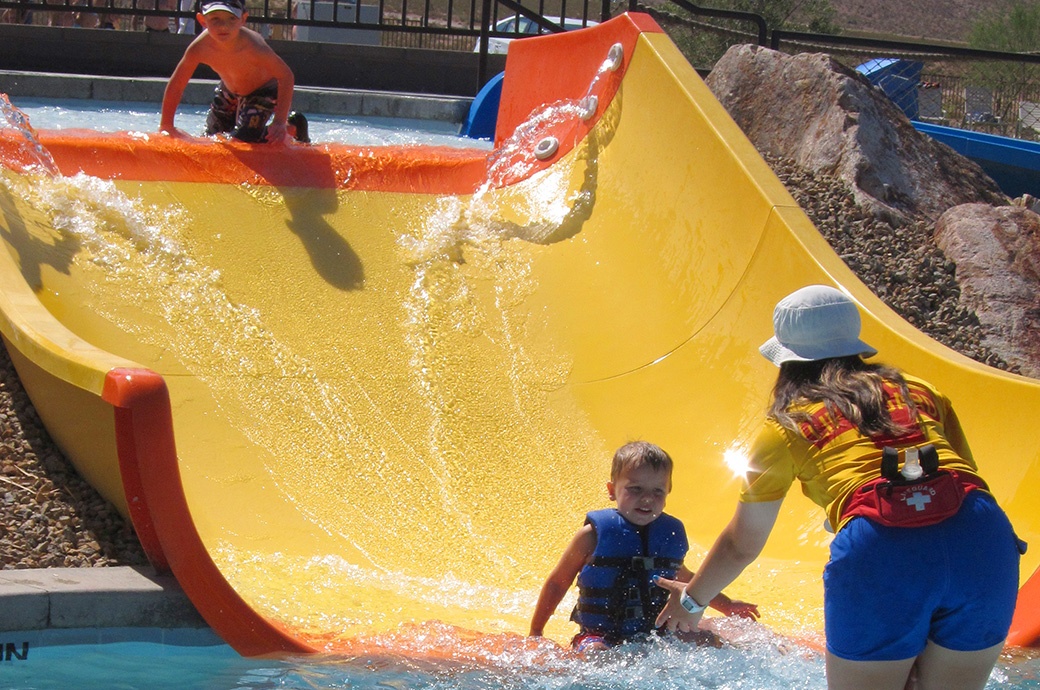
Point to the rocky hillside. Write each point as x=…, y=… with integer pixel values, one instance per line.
x=941, y=20
x=877, y=188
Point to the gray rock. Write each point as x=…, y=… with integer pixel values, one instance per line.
x=874, y=187
x=826, y=118
x=997, y=252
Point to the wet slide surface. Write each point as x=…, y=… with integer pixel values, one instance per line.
x=361, y=399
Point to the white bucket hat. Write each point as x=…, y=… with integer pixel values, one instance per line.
x=816, y=322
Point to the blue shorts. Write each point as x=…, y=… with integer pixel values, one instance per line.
x=889, y=590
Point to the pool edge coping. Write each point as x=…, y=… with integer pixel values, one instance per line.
x=103, y=597
x=326, y=101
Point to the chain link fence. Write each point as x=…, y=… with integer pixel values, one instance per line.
x=983, y=91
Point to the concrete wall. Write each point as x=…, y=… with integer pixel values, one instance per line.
x=147, y=54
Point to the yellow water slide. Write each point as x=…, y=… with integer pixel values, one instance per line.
x=361, y=398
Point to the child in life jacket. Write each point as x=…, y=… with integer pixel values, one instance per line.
x=619, y=552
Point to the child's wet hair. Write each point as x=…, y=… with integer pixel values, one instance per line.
x=636, y=454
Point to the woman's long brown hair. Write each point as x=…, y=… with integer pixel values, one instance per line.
x=846, y=385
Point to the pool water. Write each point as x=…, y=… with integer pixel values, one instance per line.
x=754, y=660
x=757, y=661
x=112, y=116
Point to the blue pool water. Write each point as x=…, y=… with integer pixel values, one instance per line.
x=198, y=660
x=756, y=660
x=110, y=116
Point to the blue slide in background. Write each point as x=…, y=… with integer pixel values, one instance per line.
x=1014, y=164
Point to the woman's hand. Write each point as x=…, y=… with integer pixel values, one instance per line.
x=673, y=616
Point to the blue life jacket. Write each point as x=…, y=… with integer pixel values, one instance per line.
x=616, y=597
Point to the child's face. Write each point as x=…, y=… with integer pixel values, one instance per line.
x=640, y=494
x=221, y=24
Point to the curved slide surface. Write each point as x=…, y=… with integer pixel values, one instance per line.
x=361, y=398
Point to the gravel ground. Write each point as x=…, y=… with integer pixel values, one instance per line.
x=903, y=266
x=52, y=518
x=49, y=516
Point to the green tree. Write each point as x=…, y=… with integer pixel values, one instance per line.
x=1011, y=27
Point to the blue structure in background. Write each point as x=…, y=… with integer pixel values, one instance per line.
x=898, y=78
x=483, y=112
x=1014, y=164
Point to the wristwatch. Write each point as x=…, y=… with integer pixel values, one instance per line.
x=690, y=604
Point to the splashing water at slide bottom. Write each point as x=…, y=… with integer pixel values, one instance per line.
x=756, y=661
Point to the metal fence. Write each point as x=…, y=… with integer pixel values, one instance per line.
x=466, y=25
x=979, y=90
x=335, y=21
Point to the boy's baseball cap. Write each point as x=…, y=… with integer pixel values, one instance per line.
x=814, y=323
x=235, y=7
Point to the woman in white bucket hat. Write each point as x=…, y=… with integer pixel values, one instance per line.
x=923, y=573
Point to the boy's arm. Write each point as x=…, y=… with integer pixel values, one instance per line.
x=574, y=558
x=286, y=83
x=175, y=88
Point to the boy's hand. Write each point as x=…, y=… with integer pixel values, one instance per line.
x=174, y=132
x=673, y=616
x=278, y=133
x=739, y=608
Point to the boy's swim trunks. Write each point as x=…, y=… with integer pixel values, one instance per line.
x=244, y=117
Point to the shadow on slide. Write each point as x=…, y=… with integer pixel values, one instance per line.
x=354, y=398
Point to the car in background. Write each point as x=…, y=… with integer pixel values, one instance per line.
x=524, y=27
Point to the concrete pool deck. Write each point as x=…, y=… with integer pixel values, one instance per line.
x=115, y=597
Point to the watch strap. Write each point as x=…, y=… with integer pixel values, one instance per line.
x=690, y=604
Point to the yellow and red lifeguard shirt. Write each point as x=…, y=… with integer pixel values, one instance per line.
x=831, y=458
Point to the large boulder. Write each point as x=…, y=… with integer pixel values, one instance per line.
x=997, y=252
x=830, y=121
x=827, y=118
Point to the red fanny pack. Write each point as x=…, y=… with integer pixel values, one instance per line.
x=912, y=503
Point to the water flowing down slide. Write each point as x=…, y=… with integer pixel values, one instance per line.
x=360, y=398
